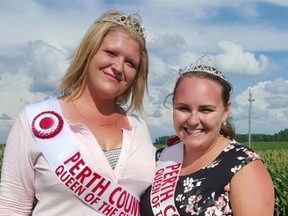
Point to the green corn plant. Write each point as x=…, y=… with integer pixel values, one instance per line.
x=276, y=162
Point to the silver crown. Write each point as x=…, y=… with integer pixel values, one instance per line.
x=204, y=64
x=131, y=20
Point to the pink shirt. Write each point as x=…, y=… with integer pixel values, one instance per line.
x=25, y=172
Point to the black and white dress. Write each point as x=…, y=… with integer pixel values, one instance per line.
x=206, y=191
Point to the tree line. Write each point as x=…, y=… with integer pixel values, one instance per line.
x=279, y=137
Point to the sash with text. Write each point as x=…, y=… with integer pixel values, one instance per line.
x=65, y=159
x=165, y=181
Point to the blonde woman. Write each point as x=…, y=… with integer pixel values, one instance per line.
x=84, y=153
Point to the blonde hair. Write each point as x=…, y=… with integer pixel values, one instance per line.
x=72, y=81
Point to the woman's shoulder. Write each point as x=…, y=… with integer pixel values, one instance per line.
x=237, y=147
x=170, y=143
x=136, y=119
x=134, y=116
x=236, y=153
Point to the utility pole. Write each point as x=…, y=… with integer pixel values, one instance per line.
x=249, y=117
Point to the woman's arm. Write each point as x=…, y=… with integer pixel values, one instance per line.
x=252, y=191
x=17, y=187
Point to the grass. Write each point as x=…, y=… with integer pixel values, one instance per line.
x=260, y=146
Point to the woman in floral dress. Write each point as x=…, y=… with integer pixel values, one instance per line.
x=203, y=170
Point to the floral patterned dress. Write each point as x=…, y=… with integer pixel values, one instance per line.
x=206, y=192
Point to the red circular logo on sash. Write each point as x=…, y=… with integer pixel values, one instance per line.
x=47, y=124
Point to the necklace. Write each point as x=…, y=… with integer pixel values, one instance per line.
x=101, y=125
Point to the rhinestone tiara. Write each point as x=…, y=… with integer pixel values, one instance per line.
x=204, y=64
x=131, y=20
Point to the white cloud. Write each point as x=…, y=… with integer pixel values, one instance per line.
x=31, y=75
x=269, y=107
x=22, y=21
x=234, y=59
x=277, y=2
x=46, y=64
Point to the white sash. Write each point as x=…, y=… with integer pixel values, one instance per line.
x=65, y=159
x=165, y=181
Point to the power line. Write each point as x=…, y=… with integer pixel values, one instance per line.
x=249, y=117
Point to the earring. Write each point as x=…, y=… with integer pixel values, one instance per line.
x=224, y=123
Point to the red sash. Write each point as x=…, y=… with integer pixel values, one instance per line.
x=64, y=157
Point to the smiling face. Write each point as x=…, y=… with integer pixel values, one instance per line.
x=198, y=112
x=113, y=68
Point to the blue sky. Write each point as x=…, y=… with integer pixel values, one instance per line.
x=247, y=39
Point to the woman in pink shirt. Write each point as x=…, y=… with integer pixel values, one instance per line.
x=83, y=153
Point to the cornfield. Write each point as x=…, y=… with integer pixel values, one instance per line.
x=277, y=165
